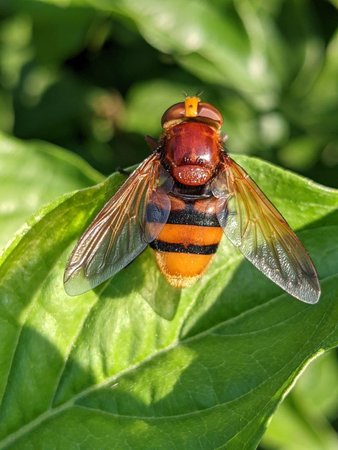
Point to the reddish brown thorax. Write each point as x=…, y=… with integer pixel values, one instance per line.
x=191, y=141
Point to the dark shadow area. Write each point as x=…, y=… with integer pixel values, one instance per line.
x=33, y=382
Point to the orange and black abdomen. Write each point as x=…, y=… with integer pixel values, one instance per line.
x=188, y=241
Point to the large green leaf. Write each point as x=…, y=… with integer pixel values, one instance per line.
x=133, y=364
x=32, y=175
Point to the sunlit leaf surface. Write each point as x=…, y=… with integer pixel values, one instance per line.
x=133, y=364
x=32, y=174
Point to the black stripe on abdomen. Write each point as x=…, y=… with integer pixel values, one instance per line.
x=186, y=216
x=162, y=246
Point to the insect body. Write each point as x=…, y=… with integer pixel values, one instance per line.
x=180, y=200
x=189, y=239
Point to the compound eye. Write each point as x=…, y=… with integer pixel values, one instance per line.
x=192, y=109
x=175, y=112
x=208, y=111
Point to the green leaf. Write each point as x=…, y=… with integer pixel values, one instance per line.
x=133, y=364
x=33, y=174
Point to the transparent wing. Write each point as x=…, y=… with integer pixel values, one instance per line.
x=254, y=225
x=131, y=219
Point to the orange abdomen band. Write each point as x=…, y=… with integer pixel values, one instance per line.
x=187, y=243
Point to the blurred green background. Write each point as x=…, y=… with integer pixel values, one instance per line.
x=95, y=76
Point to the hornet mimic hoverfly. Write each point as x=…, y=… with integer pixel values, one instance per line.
x=179, y=201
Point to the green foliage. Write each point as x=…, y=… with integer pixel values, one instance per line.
x=302, y=419
x=34, y=174
x=134, y=364
x=101, y=72
x=131, y=363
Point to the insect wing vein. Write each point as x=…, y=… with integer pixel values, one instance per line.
x=254, y=225
x=117, y=234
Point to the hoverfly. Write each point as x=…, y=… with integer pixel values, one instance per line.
x=179, y=201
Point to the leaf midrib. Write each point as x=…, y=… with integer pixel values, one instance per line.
x=51, y=412
x=71, y=403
